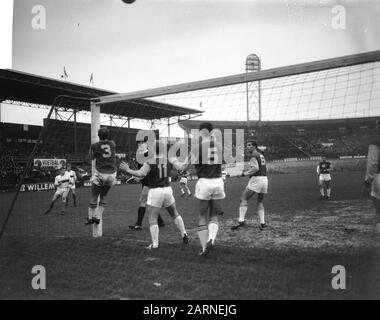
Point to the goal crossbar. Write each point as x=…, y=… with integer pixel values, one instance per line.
x=307, y=67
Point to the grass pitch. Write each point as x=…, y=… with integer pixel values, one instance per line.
x=291, y=259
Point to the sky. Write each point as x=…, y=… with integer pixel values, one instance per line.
x=153, y=43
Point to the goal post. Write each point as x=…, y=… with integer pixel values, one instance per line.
x=97, y=229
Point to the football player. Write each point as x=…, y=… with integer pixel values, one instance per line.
x=104, y=177
x=142, y=148
x=323, y=170
x=73, y=177
x=62, y=183
x=160, y=194
x=183, y=185
x=209, y=189
x=257, y=184
x=372, y=177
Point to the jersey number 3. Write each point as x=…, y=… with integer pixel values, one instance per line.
x=106, y=151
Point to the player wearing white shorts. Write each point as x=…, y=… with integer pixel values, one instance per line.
x=73, y=177
x=258, y=183
x=62, y=183
x=209, y=189
x=372, y=177
x=104, y=177
x=324, y=178
x=160, y=194
x=183, y=185
x=143, y=198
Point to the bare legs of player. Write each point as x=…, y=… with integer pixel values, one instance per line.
x=153, y=213
x=208, y=224
x=95, y=210
x=184, y=189
x=243, y=208
x=322, y=186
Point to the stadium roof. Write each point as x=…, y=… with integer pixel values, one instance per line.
x=34, y=89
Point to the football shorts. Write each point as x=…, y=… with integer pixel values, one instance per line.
x=61, y=192
x=160, y=197
x=258, y=184
x=183, y=180
x=72, y=186
x=210, y=189
x=104, y=179
x=143, y=196
x=375, y=186
x=324, y=177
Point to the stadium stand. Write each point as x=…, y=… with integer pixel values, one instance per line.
x=299, y=139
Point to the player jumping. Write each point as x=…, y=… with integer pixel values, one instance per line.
x=73, y=177
x=160, y=195
x=183, y=185
x=323, y=170
x=62, y=183
x=258, y=183
x=104, y=177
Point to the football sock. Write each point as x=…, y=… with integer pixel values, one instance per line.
x=242, y=212
x=91, y=213
x=99, y=212
x=154, y=231
x=203, y=236
x=322, y=192
x=140, y=216
x=213, y=228
x=178, y=221
x=188, y=190
x=75, y=199
x=328, y=192
x=261, y=212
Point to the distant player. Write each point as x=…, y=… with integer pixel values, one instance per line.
x=183, y=184
x=372, y=177
x=142, y=148
x=160, y=195
x=209, y=189
x=104, y=177
x=257, y=184
x=323, y=170
x=73, y=177
x=62, y=183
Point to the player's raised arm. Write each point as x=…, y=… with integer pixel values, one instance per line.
x=141, y=173
x=56, y=182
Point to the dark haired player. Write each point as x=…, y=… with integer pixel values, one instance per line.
x=209, y=189
x=323, y=170
x=104, y=177
x=142, y=148
x=160, y=194
x=258, y=183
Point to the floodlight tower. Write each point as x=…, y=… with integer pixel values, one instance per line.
x=252, y=64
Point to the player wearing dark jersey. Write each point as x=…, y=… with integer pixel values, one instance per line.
x=143, y=196
x=160, y=194
x=104, y=177
x=324, y=178
x=209, y=190
x=372, y=176
x=258, y=183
